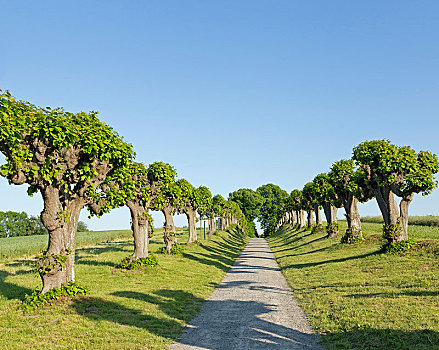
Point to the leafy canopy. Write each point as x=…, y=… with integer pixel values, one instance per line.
x=399, y=167
x=51, y=147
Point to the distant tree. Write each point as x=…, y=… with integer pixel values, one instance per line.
x=326, y=197
x=14, y=224
x=218, y=207
x=393, y=170
x=250, y=203
x=296, y=198
x=82, y=227
x=65, y=157
x=274, y=199
x=309, y=202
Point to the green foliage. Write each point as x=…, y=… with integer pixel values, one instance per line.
x=249, y=201
x=127, y=264
x=175, y=250
x=49, y=262
x=45, y=146
x=352, y=236
x=324, y=191
x=316, y=228
x=398, y=166
x=392, y=232
x=308, y=196
x=332, y=229
x=274, y=199
x=14, y=224
x=37, y=299
x=82, y=227
x=218, y=204
x=400, y=247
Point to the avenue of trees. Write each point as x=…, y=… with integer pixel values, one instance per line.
x=378, y=169
x=75, y=161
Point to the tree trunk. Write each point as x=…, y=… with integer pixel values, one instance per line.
x=139, y=225
x=61, y=220
x=211, y=227
x=169, y=233
x=192, y=224
x=310, y=218
x=396, y=221
x=292, y=218
x=353, y=219
x=318, y=215
x=331, y=219
x=302, y=218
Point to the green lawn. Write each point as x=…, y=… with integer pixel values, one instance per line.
x=360, y=298
x=144, y=309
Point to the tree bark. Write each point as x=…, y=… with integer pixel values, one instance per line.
x=352, y=218
x=169, y=233
x=310, y=218
x=61, y=220
x=396, y=221
x=139, y=225
x=301, y=218
x=211, y=227
x=318, y=215
x=192, y=224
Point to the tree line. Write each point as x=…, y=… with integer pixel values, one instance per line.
x=377, y=170
x=76, y=161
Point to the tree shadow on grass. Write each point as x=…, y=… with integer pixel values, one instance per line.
x=178, y=304
x=225, y=324
x=10, y=290
x=317, y=263
x=370, y=338
x=97, y=309
x=109, y=247
x=415, y=293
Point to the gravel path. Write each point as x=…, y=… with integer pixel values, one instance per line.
x=252, y=308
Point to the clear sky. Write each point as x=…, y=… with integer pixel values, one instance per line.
x=232, y=93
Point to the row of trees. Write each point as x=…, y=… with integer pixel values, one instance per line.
x=74, y=160
x=378, y=169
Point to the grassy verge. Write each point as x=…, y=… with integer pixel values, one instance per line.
x=359, y=298
x=143, y=309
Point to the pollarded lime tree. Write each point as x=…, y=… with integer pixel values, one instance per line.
x=137, y=187
x=168, y=202
x=296, y=199
x=390, y=170
x=273, y=201
x=349, y=187
x=64, y=156
x=218, y=207
x=325, y=196
x=192, y=201
x=250, y=203
x=309, y=203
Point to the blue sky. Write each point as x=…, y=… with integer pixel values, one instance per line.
x=232, y=93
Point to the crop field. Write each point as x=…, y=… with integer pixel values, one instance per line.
x=427, y=220
x=360, y=298
x=141, y=309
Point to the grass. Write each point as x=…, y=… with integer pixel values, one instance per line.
x=14, y=247
x=143, y=309
x=427, y=220
x=360, y=298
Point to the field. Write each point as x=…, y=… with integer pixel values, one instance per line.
x=360, y=298
x=144, y=309
x=427, y=220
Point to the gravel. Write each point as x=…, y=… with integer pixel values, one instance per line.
x=252, y=308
